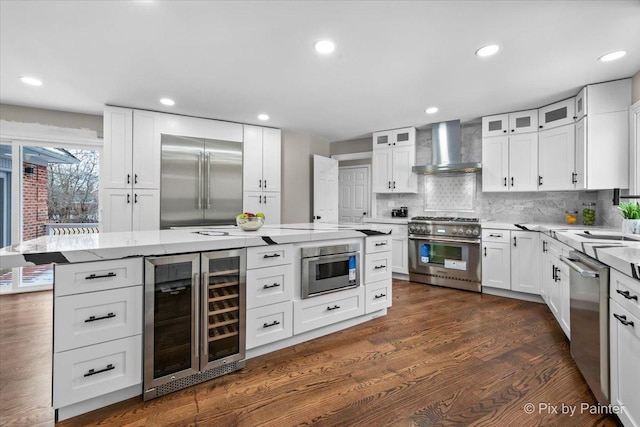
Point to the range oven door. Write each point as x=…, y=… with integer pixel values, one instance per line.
x=330, y=273
x=455, y=259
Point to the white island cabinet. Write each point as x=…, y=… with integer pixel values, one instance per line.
x=99, y=299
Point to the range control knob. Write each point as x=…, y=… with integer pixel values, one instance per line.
x=460, y=231
x=454, y=231
x=427, y=230
x=476, y=231
x=468, y=232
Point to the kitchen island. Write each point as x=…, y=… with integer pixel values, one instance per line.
x=101, y=344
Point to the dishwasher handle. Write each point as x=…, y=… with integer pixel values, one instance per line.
x=588, y=274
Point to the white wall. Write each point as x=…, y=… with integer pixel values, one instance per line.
x=298, y=149
x=62, y=119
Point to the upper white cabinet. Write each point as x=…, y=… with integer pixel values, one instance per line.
x=405, y=137
x=634, y=149
x=581, y=104
x=262, y=159
x=556, y=148
x=393, y=160
x=125, y=164
x=557, y=114
x=510, y=163
x=511, y=123
x=602, y=136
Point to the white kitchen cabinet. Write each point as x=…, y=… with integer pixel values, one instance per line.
x=496, y=265
x=624, y=347
x=581, y=104
x=496, y=259
x=269, y=323
x=563, y=275
x=556, y=158
x=130, y=210
x=393, y=160
x=400, y=255
x=262, y=159
x=557, y=114
x=405, y=137
x=267, y=203
x=510, y=163
x=525, y=262
x=554, y=281
x=511, y=123
x=97, y=334
x=323, y=310
x=602, y=137
x=634, y=149
x=131, y=156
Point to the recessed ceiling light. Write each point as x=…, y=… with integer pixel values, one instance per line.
x=31, y=81
x=324, y=46
x=488, y=50
x=431, y=110
x=167, y=101
x=612, y=56
x=263, y=116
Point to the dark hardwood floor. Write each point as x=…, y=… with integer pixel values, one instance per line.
x=440, y=357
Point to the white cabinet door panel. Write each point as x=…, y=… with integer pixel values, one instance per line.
x=146, y=150
x=404, y=180
x=496, y=265
x=271, y=159
x=556, y=158
x=117, y=208
x=146, y=210
x=525, y=266
x=252, y=159
x=523, y=162
x=495, y=163
x=116, y=164
x=382, y=164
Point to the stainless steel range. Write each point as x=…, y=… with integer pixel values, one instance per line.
x=445, y=251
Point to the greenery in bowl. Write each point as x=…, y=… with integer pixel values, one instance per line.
x=630, y=210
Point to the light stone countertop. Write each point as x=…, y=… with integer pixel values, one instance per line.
x=104, y=246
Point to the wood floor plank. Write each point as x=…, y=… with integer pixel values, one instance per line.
x=441, y=357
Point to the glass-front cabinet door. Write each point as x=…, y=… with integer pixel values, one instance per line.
x=171, y=304
x=223, y=308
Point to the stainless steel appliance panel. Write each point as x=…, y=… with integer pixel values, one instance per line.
x=222, y=196
x=589, y=320
x=181, y=181
x=451, y=262
x=327, y=269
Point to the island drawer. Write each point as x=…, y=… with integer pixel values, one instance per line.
x=378, y=296
x=269, y=324
x=375, y=244
x=92, y=371
x=625, y=291
x=269, y=285
x=91, y=318
x=267, y=256
x=498, y=236
x=326, y=309
x=378, y=267
x=97, y=276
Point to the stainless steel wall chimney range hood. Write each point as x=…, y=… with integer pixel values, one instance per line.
x=446, y=151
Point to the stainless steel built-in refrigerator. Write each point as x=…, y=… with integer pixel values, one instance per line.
x=201, y=181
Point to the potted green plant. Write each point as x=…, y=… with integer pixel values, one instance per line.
x=631, y=217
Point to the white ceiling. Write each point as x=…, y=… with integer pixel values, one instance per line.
x=234, y=59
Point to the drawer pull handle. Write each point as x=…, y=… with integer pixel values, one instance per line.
x=268, y=325
x=623, y=319
x=102, y=276
x=627, y=295
x=381, y=244
x=275, y=285
x=378, y=267
x=272, y=256
x=495, y=235
x=94, y=318
x=379, y=296
x=94, y=372
x=335, y=307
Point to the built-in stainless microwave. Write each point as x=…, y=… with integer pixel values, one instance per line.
x=330, y=268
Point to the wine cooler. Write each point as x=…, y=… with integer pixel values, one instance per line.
x=194, y=319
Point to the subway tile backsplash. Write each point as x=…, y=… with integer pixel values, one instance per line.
x=504, y=207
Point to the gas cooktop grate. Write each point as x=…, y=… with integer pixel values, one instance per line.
x=444, y=219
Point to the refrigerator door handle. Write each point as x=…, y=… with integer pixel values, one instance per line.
x=208, y=180
x=200, y=180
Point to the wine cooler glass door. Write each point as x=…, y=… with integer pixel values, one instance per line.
x=223, y=308
x=171, y=307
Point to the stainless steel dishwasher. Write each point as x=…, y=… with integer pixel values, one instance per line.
x=589, y=320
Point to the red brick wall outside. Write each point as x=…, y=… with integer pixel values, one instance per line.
x=34, y=202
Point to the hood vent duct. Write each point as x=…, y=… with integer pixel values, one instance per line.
x=446, y=158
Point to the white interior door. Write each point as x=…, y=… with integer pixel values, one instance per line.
x=353, y=204
x=325, y=189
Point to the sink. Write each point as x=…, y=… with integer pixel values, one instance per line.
x=608, y=237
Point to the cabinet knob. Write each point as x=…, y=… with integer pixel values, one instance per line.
x=540, y=126
x=505, y=131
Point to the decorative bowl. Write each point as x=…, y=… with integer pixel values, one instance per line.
x=250, y=224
